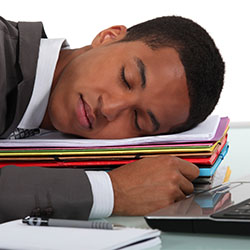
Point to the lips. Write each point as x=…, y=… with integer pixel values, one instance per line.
x=83, y=112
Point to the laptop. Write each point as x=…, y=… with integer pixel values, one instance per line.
x=224, y=209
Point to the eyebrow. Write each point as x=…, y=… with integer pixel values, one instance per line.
x=142, y=69
x=153, y=119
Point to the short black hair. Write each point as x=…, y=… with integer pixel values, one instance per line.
x=203, y=64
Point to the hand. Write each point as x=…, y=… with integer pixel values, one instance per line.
x=151, y=183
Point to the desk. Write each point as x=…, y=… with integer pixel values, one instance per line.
x=237, y=158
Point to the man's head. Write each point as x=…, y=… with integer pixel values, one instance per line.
x=161, y=76
x=199, y=55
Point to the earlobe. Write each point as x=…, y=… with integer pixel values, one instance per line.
x=112, y=34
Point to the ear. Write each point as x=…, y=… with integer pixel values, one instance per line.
x=112, y=34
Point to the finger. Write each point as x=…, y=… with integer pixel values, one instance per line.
x=186, y=186
x=180, y=196
x=188, y=169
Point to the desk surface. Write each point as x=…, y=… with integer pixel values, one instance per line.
x=237, y=158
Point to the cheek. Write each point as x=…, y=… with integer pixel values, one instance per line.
x=57, y=113
x=121, y=128
x=60, y=108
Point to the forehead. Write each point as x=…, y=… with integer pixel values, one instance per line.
x=165, y=68
x=163, y=63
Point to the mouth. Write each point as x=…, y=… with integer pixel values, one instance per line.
x=83, y=112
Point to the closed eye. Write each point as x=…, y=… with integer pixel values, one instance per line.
x=136, y=121
x=123, y=78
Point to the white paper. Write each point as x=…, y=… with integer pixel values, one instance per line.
x=15, y=235
x=203, y=132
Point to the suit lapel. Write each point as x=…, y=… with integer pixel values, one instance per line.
x=29, y=41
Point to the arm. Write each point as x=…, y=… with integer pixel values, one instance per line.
x=150, y=184
x=26, y=190
x=139, y=187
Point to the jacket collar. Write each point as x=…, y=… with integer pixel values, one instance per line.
x=30, y=34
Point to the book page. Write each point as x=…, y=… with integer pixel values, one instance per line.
x=205, y=131
x=16, y=235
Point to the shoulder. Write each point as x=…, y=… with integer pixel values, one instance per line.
x=8, y=27
x=19, y=47
x=33, y=29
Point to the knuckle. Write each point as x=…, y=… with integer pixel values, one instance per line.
x=174, y=177
x=173, y=160
x=172, y=190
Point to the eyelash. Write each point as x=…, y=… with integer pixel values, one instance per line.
x=136, y=121
x=122, y=75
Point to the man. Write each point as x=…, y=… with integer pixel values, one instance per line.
x=161, y=76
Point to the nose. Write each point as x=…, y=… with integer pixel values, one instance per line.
x=114, y=106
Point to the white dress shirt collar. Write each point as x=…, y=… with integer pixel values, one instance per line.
x=46, y=65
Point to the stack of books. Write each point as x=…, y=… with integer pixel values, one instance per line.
x=205, y=145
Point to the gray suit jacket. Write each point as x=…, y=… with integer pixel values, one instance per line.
x=58, y=193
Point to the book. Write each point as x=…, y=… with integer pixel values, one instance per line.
x=16, y=235
x=205, y=171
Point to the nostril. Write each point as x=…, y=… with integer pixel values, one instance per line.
x=112, y=106
x=101, y=110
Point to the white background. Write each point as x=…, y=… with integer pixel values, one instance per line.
x=227, y=21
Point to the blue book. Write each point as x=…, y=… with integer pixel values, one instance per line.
x=206, y=172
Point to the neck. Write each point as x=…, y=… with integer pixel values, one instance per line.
x=65, y=57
